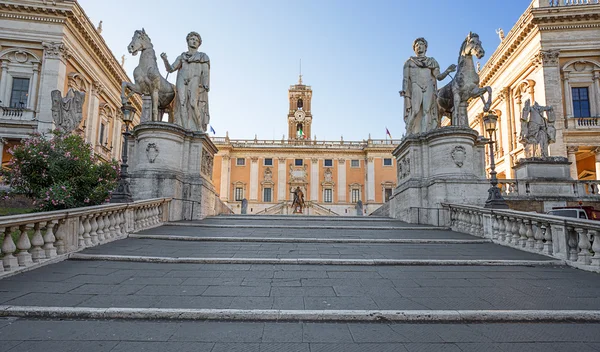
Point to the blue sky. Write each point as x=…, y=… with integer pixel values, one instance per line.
x=352, y=53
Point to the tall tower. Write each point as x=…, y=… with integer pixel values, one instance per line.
x=300, y=116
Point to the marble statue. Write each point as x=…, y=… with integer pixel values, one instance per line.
x=419, y=87
x=500, y=33
x=67, y=112
x=123, y=61
x=453, y=97
x=147, y=78
x=193, y=84
x=537, y=131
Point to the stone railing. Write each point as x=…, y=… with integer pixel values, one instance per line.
x=583, y=122
x=576, y=241
x=511, y=188
x=557, y=3
x=51, y=236
x=265, y=143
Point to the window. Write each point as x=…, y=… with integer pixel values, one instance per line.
x=298, y=162
x=328, y=162
x=20, y=92
x=355, y=195
x=268, y=161
x=239, y=193
x=102, y=132
x=387, y=194
x=355, y=163
x=328, y=195
x=267, y=195
x=240, y=161
x=581, y=102
x=387, y=162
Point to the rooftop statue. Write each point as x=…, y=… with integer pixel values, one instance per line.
x=419, y=87
x=193, y=84
x=537, y=131
x=453, y=97
x=147, y=78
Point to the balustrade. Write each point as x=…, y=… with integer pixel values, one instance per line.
x=44, y=236
x=532, y=232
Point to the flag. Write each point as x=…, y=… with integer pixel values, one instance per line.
x=212, y=130
x=387, y=132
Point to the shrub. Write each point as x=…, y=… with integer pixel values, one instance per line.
x=59, y=172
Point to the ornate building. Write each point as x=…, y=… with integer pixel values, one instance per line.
x=551, y=57
x=335, y=176
x=52, y=45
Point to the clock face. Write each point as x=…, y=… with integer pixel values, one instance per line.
x=299, y=115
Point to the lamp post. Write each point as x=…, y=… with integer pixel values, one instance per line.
x=123, y=194
x=495, y=199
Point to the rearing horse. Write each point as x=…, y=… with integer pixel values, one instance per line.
x=147, y=78
x=453, y=97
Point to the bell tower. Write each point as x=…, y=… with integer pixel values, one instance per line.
x=299, y=116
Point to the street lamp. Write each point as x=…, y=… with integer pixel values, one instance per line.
x=123, y=194
x=495, y=199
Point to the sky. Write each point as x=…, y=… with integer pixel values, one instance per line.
x=352, y=54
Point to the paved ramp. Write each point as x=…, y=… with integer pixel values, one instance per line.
x=301, y=284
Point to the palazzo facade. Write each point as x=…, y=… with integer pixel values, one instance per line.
x=551, y=57
x=49, y=45
x=336, y=177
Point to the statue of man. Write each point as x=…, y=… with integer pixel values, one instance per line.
x=193, y=84
x=537, y=131
x=419, y=89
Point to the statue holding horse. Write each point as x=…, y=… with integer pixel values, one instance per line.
x=147, y=78
x=453, y=97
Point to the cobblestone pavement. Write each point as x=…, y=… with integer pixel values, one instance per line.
x=122, y=284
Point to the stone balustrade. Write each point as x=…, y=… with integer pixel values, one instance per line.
x=51, y=236
x=258, y=143
x=555, y=3
x=576, y=241
x=513, y=188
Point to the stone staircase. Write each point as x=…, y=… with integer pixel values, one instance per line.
x=301, y=283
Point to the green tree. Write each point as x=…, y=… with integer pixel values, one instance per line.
x=60, y=172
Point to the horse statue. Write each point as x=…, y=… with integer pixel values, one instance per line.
x=453, y=97
x=147, y=78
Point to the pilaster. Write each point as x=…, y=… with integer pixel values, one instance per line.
x=54, y=69
x=281, y=179
x=254, y=178
x=573, y=160
x=341, y=188
x=370, y=179
x=225, y=176
x=314, y=179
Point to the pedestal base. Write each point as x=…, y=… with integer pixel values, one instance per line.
x=446, y=165
x=169, y=161
x=549, y=168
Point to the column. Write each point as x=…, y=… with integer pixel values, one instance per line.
x=34, y=84
x=4, y=84
x=597, y=91
x=597, y=151
x=370, y=179
x=91, y=123
x=573, y=160
x=568, y=96
x=54, y=69
x=254, y=178
x=281, y=180
x=3, y=141
x=225, y=177
x=314, y=180
x=341, y=181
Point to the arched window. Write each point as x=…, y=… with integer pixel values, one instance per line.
x=300, y=104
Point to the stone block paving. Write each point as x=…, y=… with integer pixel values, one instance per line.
x=30, y=335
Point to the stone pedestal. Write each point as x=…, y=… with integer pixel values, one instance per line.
x=549, y=168
x=446, y=165
x=167, y=160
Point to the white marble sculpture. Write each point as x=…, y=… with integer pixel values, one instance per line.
x=67, y=111
x=419, y=88
x=537, y=131
x=453, y=97
x=193, y=84
x=147, y=78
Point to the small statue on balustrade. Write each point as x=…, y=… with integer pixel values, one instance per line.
x=537, y=130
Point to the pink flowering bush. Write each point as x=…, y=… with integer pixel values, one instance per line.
x=60, y=172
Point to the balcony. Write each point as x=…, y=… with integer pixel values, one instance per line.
x=583, y=123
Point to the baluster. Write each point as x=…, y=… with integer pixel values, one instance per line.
x=80, y=233
x=146, y=218
x=100, y=229
x=155, y=214
x=538, y=235
x=515, y=231
x=522, y=233
x=123, y=223
x=37, y=241
x=87, y=238
x=60, y=237
x=584, y=245
x=495, y=226
x=504, y=229
x=23, y=244
x=9, y=261
x=530, y=242
x=136, y=220
x=112, y=229
x=572, y=243
x=118, y=222
x=94, y=227
x=547, y=238
x=49, y=239
x=595, y=236
x=501, y=228
x=107, y=233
